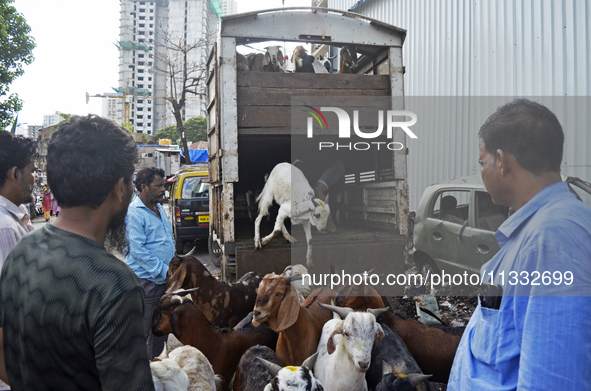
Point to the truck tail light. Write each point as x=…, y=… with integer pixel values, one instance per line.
x=177, y=214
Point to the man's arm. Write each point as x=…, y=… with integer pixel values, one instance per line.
x=3, y=375
x=120, y=344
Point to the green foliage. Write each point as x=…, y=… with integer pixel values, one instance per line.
x=127, y=126
x=145, y=139
x=195, y=130
x=16, y=50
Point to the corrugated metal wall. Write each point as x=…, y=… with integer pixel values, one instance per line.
x=501, y=48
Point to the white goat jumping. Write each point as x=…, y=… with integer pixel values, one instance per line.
x=344, y=350
x=288, y=186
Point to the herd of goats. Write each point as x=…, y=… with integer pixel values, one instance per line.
x=274, y=333
x=274, y=61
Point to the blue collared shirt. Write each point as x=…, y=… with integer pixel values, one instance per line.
x=540, y=338
x=151, y=244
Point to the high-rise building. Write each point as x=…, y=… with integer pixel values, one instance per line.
x=111, y=106
x=229, y=7
x=52, y=119
x=33, y=131
x=148, y=30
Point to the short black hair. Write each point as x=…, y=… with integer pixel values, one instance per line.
x=527, y=130
x=146, y=175
x=16, y=151
x=86, y=157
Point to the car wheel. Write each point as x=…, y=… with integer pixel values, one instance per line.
x=426, y=267
x=179, y=246
x=215, y=253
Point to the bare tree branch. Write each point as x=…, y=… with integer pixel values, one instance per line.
x=184, y=76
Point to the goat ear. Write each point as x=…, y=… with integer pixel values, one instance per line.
x=288, y=310
x=178, y=278
x=379, y=332
x=330, y=346
x=163, y=355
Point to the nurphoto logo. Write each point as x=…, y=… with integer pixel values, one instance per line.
x=344, y=130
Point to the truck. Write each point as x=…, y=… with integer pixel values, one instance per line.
x=253, y=125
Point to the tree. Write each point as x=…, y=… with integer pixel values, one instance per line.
x=184, y=76
x=195, y=130
x=16, y=50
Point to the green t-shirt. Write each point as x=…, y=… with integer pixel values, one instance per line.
x=71, y=315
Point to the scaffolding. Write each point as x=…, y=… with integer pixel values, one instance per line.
x=130, y=45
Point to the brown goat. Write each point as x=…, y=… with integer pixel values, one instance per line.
x=241, y=63
x=299, y=326
x=222, y=347
x=223, y=304
x=433, y=348
x=348, y=59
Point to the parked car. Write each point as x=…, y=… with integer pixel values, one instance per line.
x=189, y=205
x=456, y=221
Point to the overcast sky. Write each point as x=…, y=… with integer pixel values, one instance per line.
x=75, y=54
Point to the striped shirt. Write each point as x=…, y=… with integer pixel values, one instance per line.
x=71, y=315
x=15, y=223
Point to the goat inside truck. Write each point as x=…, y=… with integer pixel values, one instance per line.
x=258, y=119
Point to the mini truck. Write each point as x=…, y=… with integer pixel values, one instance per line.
x=250, y=130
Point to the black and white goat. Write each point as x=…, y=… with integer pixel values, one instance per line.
x=305, y=63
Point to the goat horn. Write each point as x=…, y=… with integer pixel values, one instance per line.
x=417, y=378
x=191, y=252
x=186, y=292
x=386, y=368
x=310, y=361
x=340, y=311
x=271, y=366
x=377, y=311
x=291, y=279
x=331, y=58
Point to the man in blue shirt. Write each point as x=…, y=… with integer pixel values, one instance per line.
x=539, y=336
x=151, y=246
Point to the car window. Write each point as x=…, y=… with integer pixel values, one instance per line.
x=452, y=206
x=488, y=215
x=195, y=187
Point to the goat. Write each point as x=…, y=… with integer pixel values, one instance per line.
x=301, y=289
x=303, y=62
x=344, y=350
x=391, y=361
x=222, y=347
x=299, y=326
x=273, y=60
x=326, y=62
x=348, y=59
x=241, y=63
x=223, y=304
x=288, y=186
x=255, y=61
x=167, y=375
x=196, y=366
x=293, y=378
x=251, y=374
x=433, y=347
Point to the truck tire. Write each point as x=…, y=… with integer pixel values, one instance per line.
x=215, y=253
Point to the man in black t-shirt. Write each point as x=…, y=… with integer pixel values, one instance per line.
x=70, y=312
